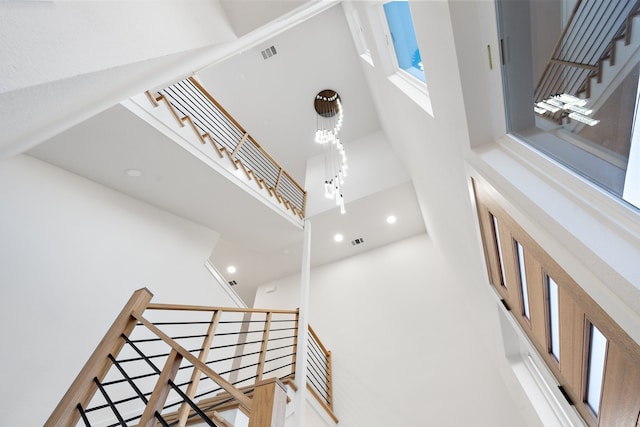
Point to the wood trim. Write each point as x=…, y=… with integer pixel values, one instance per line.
x=537, y=303
x=330, y=380
x=315, y=337
x=155, y=306
x=208, y=137
x=294, y=359
x=239, y=145
x=575, y=307
x=275, y=187
x=183, y=412
x=269, y=404
x=83, y=388
x=187, y=119
x=245, y=170
x=263, y=347
x=151, y=98
x=572, y=345
x=172, y=110
x=233, y=162
x=323, y=403
x=620, y=404
x=161, y=390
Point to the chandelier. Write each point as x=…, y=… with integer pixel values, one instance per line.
x=329, y=121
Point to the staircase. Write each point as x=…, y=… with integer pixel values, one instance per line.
x=188, y=112
x=177, y=365
x=597, y=49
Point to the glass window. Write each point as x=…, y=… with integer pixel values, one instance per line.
x=496, y=234
x=595, y=367
x=358, y=35
x=523, y=280
x=403, y=36
x=554, y=318
x=570, y=76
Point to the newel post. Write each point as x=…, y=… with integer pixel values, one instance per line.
x=269, y=404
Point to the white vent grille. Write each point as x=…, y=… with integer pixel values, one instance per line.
x=269, y=52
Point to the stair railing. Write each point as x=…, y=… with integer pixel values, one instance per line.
x=319, y=373
x=191, y=104
x=164, y=364
x=586, y=41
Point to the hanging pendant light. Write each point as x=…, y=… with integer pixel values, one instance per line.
x=329, y=122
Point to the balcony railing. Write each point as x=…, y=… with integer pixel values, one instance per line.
x=191, y=104
x=163, y=364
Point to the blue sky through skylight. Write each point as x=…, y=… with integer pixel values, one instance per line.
x=404, y=38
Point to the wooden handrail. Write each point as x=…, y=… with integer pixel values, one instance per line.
x=81, y=392
x=315, y=337
x=83, y=387
x=155, y=306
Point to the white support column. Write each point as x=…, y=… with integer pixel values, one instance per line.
x=303, y=325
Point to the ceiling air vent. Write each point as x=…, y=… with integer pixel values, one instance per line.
x=233, y=283
x=358, y=241
x=268, y=52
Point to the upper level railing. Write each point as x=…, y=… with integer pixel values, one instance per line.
x=163, y=364
x=190, y=103
x=588, y=38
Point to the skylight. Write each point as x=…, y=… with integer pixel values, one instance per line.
x=403, y=36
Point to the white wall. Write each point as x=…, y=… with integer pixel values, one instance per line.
x=407, y=349
x=61, y=62
x=71, y=254
x=372, y=166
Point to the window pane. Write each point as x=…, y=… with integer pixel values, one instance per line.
x=403, y=36
x=554, y=318
x=595, y=369
x=523, y=280
x=566, y=95
x=496, y=234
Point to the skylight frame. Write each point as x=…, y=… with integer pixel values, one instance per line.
x=410, y=73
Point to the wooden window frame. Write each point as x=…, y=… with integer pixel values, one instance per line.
x=577, y=310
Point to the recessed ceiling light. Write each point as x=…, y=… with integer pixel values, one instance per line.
x=231, y=269
x=133, y=172
x=391, y=219
x=338, y=237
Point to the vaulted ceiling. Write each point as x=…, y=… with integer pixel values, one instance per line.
x=273, y=100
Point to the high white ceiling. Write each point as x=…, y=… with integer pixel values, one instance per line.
x=273, y=100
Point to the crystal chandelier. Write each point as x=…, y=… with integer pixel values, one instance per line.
x=329, y=121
